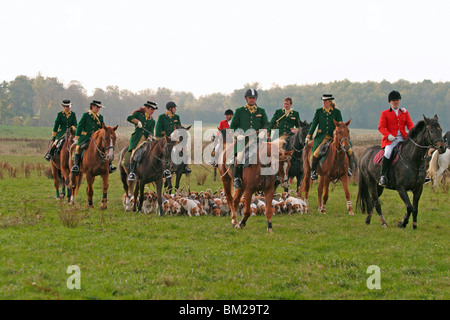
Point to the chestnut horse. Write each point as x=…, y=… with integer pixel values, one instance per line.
x=333, y=168
x=253, y=180
x=60, y=165
x=95, y=162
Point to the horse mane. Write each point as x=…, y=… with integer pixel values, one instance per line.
x=417, y=128
x=97, y=133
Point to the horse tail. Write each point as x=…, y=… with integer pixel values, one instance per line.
x=363, y=198
x=306, y=183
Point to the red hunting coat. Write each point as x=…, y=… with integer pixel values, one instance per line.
x=390, y=124
x=224, y=125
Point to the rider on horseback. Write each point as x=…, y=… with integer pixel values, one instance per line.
x=64, y=120
x=167, y=123
x=392, y=126
x=286, y=120
x=145, y=125
x=246, y=118
x=89, y=123
x=224, y=124
x=323, y=118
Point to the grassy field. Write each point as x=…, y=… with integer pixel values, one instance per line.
x=137, y=256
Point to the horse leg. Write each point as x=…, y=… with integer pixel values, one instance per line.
x=105, y=191
x=90, y=190
x=416, y=197
x=247, y=211
x=320, y=193
x=159, y=186
x=326, y=186
x=345, y=180
x=141, y=196
x=177, y=180
x=136, y=193
x=409, y=208
x=234, y=205
x=168, y=185
x=268, y=199
x=55, y=180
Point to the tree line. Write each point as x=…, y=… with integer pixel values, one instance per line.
x=35, y=101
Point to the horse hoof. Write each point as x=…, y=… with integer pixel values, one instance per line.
x=414, y=227
x=401, y=225
x=384, y=225
x=270, y=230
x=351, y=213
x=103, y=206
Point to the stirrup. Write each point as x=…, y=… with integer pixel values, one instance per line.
x=167, y=174
x=383, y=181
x=314, y=175
x=75, y=169
x=112, y=169
x=237, y=183
x=187, y=169
x=132, y=176
x=48, y=157
x=349, y=172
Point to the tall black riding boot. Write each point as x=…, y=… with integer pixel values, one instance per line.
x=351, y=164
x=314, y=164
x=384, y=167
x=111, y=167
x=76, y=165
x=48, y=156
x=237, y=177
x=132, y=175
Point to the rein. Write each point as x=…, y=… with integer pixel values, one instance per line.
x=103, y=154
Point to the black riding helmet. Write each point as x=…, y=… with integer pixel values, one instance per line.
x=394, y=95
x=170, y=105
x=229, y=112
x=251, y=93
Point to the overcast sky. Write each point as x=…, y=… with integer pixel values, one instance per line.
x=217, y=46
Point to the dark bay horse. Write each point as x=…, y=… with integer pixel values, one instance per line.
x=334, y=167
x=60, y=165
x=95, y=162
x=157, y=158
x=296, y=143
x=253, y=180
x=408, y=174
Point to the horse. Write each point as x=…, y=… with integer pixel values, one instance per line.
x=439, y=165
x=407, y=174
x=334, y=167
x=296, y=142
x=253, y=180
x=178, y=171
x=157, y=158
x=60, y=165
x=95, y=162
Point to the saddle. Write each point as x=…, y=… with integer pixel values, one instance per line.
x=395, y=155
x=323, y=152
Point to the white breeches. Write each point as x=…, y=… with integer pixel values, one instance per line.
x=388, y=149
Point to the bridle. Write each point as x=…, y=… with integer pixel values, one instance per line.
x=104, y=154
x=432, y=144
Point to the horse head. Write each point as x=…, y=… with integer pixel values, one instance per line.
x=108, y=141
x=342, y=135
x=283, y=169
x=433, y=135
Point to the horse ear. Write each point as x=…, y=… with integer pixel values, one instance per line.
x=436, y=117
x=425, y=119
x=335, y=122
x=103, y=126
x=115, y=128
x=189, y=127
x=348, y=122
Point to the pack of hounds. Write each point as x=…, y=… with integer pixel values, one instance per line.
x=192, y=203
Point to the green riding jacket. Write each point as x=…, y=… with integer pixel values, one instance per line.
x=64, y=120
x=148, y=123
x=89, y=123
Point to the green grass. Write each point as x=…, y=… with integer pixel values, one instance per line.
x=137, y=256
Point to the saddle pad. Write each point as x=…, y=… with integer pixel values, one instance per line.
x=379, y=157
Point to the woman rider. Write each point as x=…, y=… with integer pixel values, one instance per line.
x=145, y=125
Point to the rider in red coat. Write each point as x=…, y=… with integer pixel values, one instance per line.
x=392, y=126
